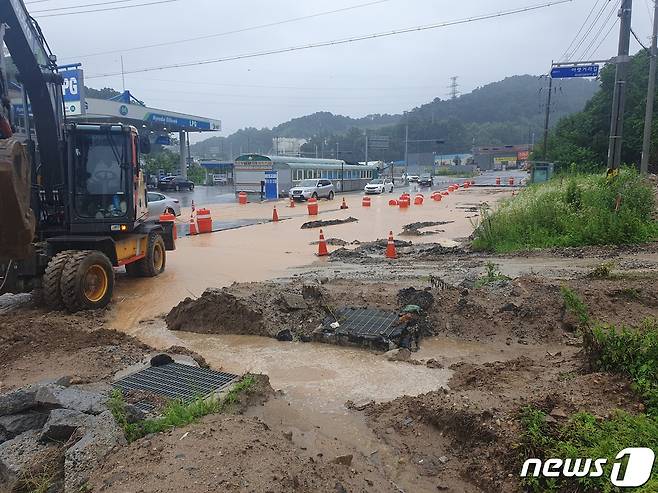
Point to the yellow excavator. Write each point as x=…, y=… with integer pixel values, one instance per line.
x=72, y=195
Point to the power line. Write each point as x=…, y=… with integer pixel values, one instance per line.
x=566, y=52
x=595, y=50
x=260, y=86
x=589, y=30
x=601, y=28
x=59, y=14
x=79, y=6
x=236, y=31
x=340, y=41
x=638, y=41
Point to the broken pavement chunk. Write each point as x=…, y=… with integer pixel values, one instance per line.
x=62, y=423
x=18, y=400
x=71, y=398
x=293, y=301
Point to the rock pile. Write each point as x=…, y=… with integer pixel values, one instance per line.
x=52, y=420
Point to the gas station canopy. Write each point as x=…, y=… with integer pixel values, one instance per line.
x=126, y=109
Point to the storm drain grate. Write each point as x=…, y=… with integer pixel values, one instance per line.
x=176, y=381
x=367, y=323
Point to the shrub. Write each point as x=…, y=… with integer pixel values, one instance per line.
x=574, y=211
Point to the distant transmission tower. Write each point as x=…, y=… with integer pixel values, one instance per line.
x=454, y=87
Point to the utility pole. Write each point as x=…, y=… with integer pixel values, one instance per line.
x=651, y=94
x=406, y=149
x=366, y=147
x=619, y=94
x=548, y=115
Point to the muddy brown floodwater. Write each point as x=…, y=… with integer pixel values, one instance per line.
x=315, y=379
x=266, y=251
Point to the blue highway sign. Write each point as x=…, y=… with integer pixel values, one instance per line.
x=577, y=71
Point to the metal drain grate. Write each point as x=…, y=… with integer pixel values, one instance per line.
x=176, y=381
x=367, y=323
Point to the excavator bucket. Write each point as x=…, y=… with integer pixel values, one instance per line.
x=17, y=221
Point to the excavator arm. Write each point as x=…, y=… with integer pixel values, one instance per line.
x=25, y=181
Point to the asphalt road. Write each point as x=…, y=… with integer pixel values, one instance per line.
x=207, y=195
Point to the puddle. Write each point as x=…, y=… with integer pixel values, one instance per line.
x=315, y=376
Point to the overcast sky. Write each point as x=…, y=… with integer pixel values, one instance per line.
x=386, y=75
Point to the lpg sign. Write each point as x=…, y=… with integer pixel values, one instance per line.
x=73, y=91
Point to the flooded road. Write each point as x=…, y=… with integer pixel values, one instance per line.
x=265, y=251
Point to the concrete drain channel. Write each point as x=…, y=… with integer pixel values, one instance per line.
x=363, y=326
x=175, y=381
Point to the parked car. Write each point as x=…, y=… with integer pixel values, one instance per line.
x=176, y=183
x=412, y=178
x=158, y=203
x=317, y=188
x=379, y=185
x=425, y=180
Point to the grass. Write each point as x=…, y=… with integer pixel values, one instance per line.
x=584, y=436
x=447, y=171
x=569, y=211
x=602, y=271
x=176, y=413
x=629, y=351
x=491, y=276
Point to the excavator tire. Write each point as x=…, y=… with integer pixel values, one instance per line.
x=153, y=264
x=87, y=281
x=50, y=282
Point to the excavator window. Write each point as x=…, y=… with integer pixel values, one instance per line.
x=100, y=174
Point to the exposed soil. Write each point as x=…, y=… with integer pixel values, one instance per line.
x=252, y=308
x=330, y=222
x=230, y=453
x=415, y=229
x=36, y=344
x=461, y=439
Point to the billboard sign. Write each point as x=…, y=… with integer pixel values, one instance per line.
x=73, y=91
x=378, y=142
x=576, y=71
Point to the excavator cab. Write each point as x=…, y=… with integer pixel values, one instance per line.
x=106, y=192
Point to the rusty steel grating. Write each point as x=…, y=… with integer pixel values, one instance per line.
x=177, y=381
x=366, y=323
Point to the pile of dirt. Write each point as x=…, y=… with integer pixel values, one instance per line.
x=372, y=252
x=364, y=251
x=466, y=439
x=266, y=309
x=335, y=242
x=330, y=222
x=36, y=344
x=414, y=229
x=231, y=453
x=526, y=310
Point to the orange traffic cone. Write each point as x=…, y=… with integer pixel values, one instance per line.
x=275, y=215
x=390, y=247
x=193, y=229
x=292, y=203
x=343, y=205
x=322, y=246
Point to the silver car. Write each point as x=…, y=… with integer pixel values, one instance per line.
x=316, y=188
x=159, y=203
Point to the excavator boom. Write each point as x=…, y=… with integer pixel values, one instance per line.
x=19, y=205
